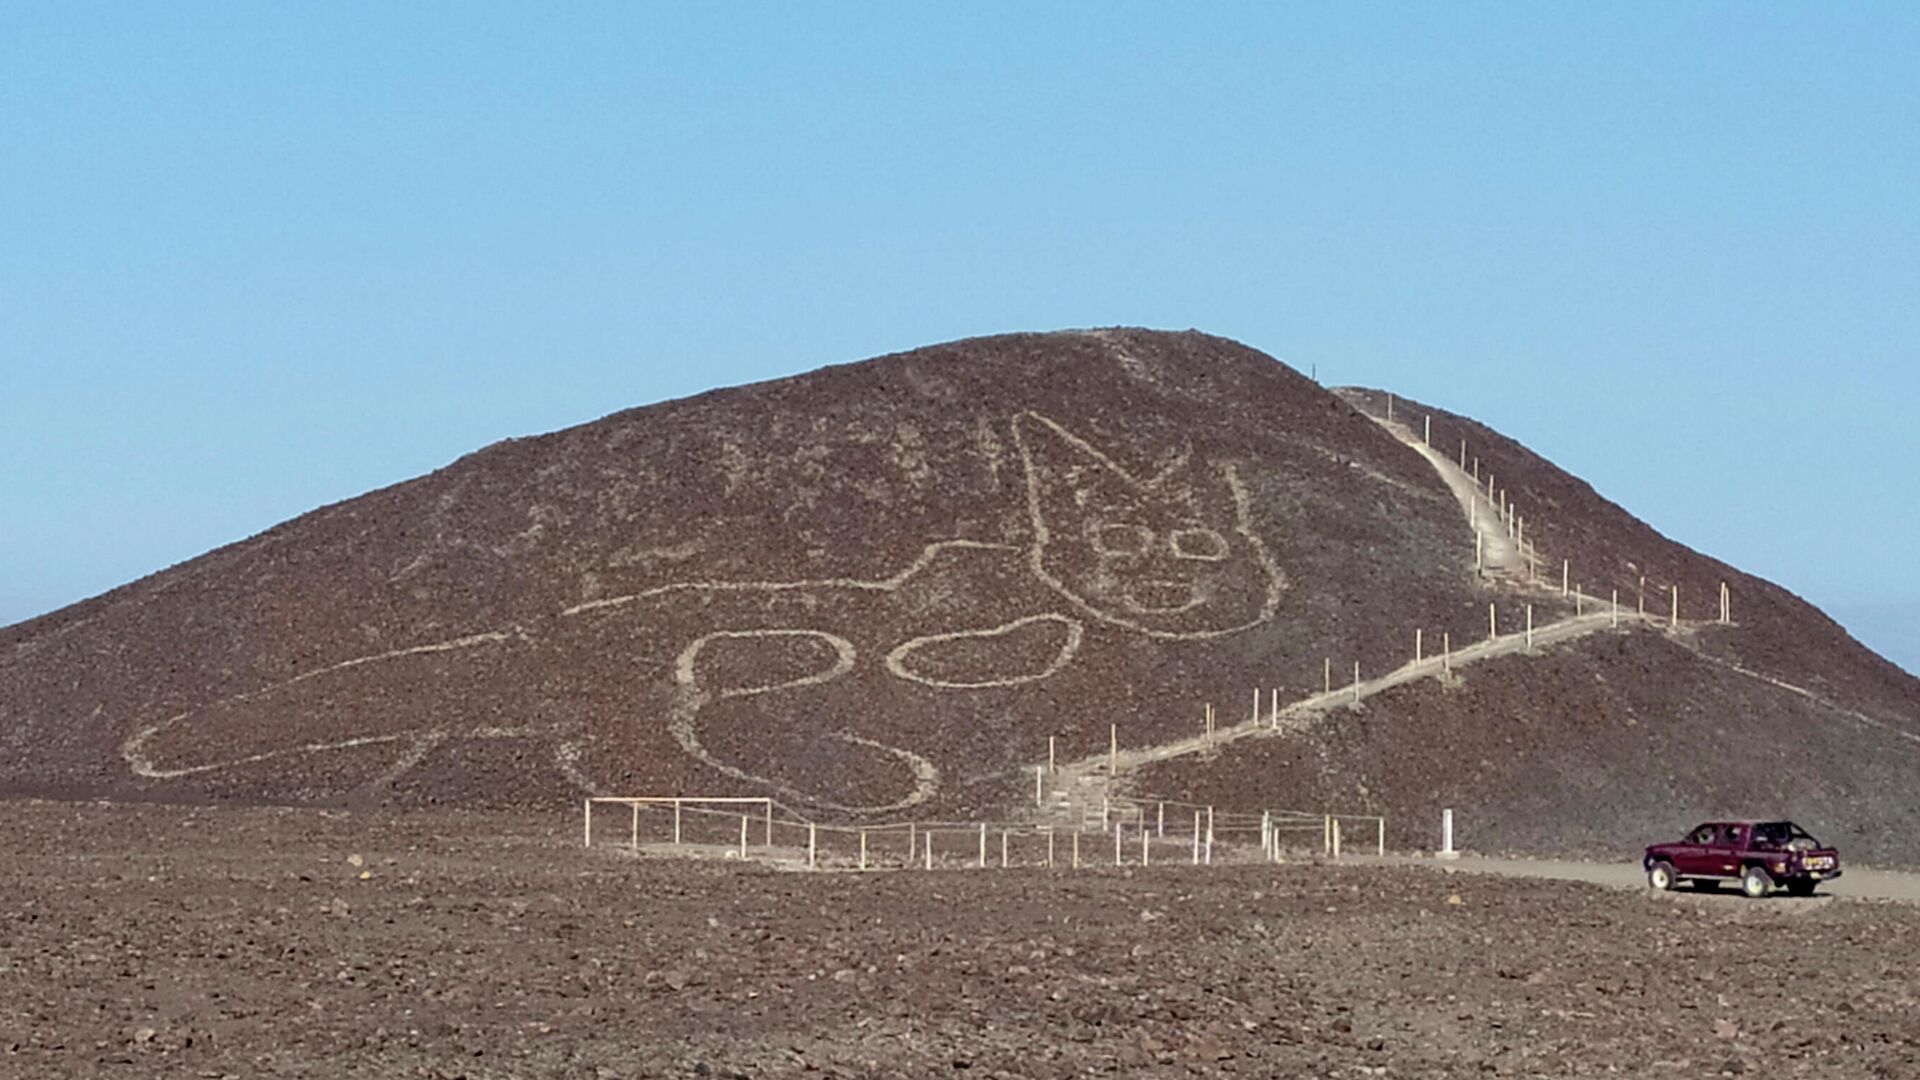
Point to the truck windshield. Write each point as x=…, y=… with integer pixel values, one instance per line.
x=1783, y=835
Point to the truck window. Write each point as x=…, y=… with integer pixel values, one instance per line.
x=1702, y=835
x=1735, y=836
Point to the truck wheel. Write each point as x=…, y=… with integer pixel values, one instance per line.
x=1660, y=876
x=1755, y=882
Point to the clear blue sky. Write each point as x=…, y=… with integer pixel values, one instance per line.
x=259, y=257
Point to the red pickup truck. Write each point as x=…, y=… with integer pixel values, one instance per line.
x=1760, y=855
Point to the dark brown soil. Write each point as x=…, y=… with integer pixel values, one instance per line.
x=151, y=941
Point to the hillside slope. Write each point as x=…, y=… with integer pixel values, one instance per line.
x=872, y=590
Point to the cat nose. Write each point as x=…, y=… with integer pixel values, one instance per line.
x=1161, y=597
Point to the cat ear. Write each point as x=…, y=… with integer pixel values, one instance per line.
x=1217, y=496
x=1069, y=483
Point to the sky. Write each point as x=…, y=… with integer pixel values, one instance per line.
x=256, y=258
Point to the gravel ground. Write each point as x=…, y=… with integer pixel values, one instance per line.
x=149, y=940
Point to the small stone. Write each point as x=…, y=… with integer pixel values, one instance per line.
x=356, y=860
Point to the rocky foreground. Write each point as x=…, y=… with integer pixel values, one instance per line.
x=151, y=940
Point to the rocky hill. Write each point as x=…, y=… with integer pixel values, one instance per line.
x=877, y=590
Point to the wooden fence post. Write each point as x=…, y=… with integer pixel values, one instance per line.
x=1076, y=849
x=1326, y=835
x=1529, y=627
x=1208, y=850
x=1052, y=761
x=928, y=845
x=1160, y=818
x=983, y=845
x=1493, y=624
x=1381, y=839
x=1146, y=851
x=863, y=849
x=586, y=838
x=1003, y=849
x=1566, y=573
x=743, y=836
x=1336, y=839
x=1116, y=847
x=1113, y=750
x=1429, y=435
x=1329, y=675
x=676, y=821
x=1196, y=838
x=1418, y=644
x=813, y=845
x=634, y=843
x=1446, y=653
x=1675, y=623
x=1039, y=787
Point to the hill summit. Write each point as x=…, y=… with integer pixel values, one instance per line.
x=879, y=590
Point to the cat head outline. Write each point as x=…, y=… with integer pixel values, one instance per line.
x=1172, y=556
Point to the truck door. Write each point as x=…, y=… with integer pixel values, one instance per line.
x=1723, y=856
x=1691, y=857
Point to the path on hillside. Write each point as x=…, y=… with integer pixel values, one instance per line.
x=1080, y=789
x=1500, y=553
x=1856, y=883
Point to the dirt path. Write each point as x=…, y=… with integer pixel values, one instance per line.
x=1081, y=790
x=1500, y=553
x=1857, y=883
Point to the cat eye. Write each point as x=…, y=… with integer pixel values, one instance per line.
x=1121, y=539
x=1203, y=544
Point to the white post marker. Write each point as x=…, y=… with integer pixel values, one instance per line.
x=1196, y=838
x=1418, y=644
x=863, y=849
x=1146, y=855
x=1039, y=787
x=983, y=844
x=1566, y=574
x=1116, y=847
x=1529, y=627
x=1160, y=818
x=743, y=836
x=929, y=850
x=1003, y=849
x=586, y=839
x=1429, y=437
x=1113, y=749
x=1356, y=681
x=1493, y=624
x=1446, y=836
x=635, y=842
x=1336, y=839
x=1381, y=839
x=1446, y=651
x=813, y=846
x=1616, y=609
x=1052, y=761
x=676, y=821
x=1329, y=675
x=1076, y=849
x=1676, y=607
x=1207, y=851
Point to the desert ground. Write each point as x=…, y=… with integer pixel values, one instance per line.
x=149, y=940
